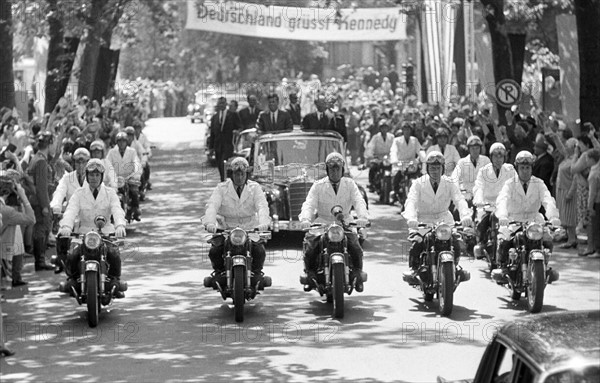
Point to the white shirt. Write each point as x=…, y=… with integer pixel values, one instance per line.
x=321, y=198
x=465, y=173
x=377, y=147
x=128, y=165
x=82, y=205
x=488, y=186
x=513, y=204
x=67, y=185
x=248, y=211
x=423, y=205
x=402, y=151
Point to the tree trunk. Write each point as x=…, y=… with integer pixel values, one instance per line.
x=89, y=61
x=7, y=81
x=55, y=50
x=588, y=30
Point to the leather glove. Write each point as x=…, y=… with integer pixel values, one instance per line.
x=263, y=227
x=466, y=222
x=211, y=228
x=503, y=221
x=305, y=225
x=555, y=222
x=362, y=222
x=413, y=224
x=120, y=232
x=64, y=232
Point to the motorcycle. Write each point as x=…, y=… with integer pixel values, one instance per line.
x=333, y=277
x=384, y=180
x=490, y=248
x=405, y=172
x=237, y=281
x=95, y=288
x=437, y=273
x=527, y=269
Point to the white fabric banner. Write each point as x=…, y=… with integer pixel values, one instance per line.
x=568, y=50
x=294, y=23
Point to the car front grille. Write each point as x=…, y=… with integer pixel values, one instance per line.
x=298, y=192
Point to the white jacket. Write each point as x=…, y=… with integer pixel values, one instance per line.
x=82, y=205
x=143, y=140
x=126, y=165
x=465, y=173
x=514, y=205
x=377, y=148
x=247, y=211
x=488, y=186
x=67, y=185
x=140, y=150
x=401, y=151
x=450, y=155
x=423, y=205
x=321, y=198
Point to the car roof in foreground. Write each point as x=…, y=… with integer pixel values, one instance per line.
x=555, y=339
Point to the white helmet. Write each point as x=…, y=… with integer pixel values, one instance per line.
x=95, y=165
x=239, y=163
x=497, y=147
x=334, y=158
x=524, y=158
x=435, y=157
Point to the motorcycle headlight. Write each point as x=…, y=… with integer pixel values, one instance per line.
x=412, y=168
x=335, y=233
x=238, y=237
x=535, y=231
x=92, y=240
x=443, y=232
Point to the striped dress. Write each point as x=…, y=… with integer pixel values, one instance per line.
x=564, y=180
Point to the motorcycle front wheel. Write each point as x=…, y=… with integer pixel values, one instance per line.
x=93, y=302
x=337, y=283
x=446, y=288
x=238, y=294
x=535, y=289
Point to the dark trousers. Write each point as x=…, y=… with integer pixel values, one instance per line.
x=414, y=254
x=311, y=251
x=220, y=157
x=373, y=168
x=41, y=229
x=596, y=227
x=257, y=250
x=134, y=196
x=62, y=248
x=113, y=258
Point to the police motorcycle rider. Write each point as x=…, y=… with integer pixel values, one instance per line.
x=67, y=185
x=490, y=180
x=241, y=202
x=323, y=195
x=449, y=152
x=377, y=148
x=466, y=169
x=405, y=148
x=86, y=204
x=98, y=150
x=428, y=202
x=126, y=164
x=145, y=143
x=520, y=199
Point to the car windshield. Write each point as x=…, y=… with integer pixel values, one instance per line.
x=297, y=150
x=581, y=375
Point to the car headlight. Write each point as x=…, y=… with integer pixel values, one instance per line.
x=92, y=240
x=443, y=232
x=335, y=233
x=535, y=231
x=238, y=237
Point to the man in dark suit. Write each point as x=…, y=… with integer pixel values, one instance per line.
x=324, y=118
x=274, y=119
x=222, y=125
x=40, y=171
x=294, y=109
x=544, y=163
x=249, y=115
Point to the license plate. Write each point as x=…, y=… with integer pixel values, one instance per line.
x=295, y=225
x=91, y=266
x=239, y=261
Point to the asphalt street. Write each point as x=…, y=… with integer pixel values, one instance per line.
x=170, y=328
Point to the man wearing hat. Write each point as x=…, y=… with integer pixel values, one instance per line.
x=40, y=172
x=323, y=195
x=242, y=203
x=543, y=167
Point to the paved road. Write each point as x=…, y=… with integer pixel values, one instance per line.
x=170, y=328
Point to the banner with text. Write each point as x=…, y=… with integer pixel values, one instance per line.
x=294, y=23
